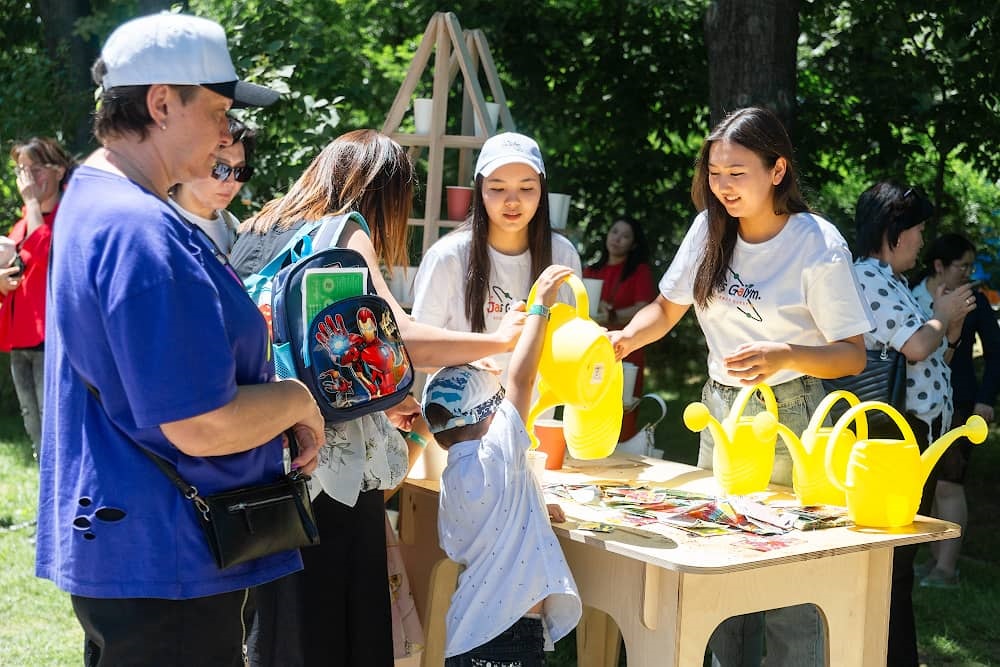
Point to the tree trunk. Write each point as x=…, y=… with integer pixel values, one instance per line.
x=752, y=56
x=59, y=20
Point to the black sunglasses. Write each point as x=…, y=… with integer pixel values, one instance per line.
x=221, y=171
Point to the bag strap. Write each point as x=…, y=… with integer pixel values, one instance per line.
x=303, y=235
x=333, y=226
x=187, y=490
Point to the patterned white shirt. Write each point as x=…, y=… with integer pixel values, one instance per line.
x=492, y=519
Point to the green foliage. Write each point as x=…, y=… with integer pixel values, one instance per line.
x=896, y=90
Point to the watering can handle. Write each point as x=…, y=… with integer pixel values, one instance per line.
x=823, y=409
x=582, y=300
x=857, y=413
x=740, y=404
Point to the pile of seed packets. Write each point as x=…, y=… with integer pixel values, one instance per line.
x=618, y=504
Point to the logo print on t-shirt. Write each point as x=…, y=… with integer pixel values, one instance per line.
x=743, y=295
x=498, y=300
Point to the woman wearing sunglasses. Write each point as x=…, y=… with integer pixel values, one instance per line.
x=203, y=201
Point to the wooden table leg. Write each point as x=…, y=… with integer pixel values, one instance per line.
x=598, y=641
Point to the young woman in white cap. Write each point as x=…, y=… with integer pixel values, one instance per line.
x=153, y=347
x=471, y=277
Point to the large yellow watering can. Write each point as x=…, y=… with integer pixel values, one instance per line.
x=592, y=433
x=743, y=456
x=578, y=369
x=885, y=477
x=810, y=481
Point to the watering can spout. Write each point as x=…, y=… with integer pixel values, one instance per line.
x=975, y=429
x=766, y=426
x=697, y=418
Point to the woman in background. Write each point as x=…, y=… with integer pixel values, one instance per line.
x=890, y=222
x=627, y=287
x=43, y=168
x=948, y=261
x=203, y=201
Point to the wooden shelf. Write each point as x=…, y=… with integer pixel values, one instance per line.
x=447, y=140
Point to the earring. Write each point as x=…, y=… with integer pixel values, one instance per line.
x=163, y=126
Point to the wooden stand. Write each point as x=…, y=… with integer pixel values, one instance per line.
x=455, y=50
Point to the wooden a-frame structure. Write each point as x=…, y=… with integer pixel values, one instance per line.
x=455, y=50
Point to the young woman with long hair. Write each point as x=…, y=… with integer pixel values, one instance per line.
x=773, y=291
x=337, y=611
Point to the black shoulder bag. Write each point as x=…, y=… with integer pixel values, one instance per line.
x=252, y=521
x=883, y=379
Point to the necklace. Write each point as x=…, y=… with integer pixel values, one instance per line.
x=132, y=172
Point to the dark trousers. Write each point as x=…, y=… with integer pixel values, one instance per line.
x=902, y=649
x=520, y=645
x=336, y=611
x=149, y=632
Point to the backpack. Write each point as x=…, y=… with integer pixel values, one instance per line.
x=349, y=353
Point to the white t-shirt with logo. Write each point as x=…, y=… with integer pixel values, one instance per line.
x=439, y=286
x=797, y=288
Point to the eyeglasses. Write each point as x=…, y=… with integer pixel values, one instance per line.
x=221, y=171
x=34, y=169
x=962, y=266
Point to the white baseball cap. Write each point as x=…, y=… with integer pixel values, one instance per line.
x=469, y=393
x=509, y=148
x=177, y=49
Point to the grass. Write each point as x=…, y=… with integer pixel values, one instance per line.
x=955, y=628
x=39, y=627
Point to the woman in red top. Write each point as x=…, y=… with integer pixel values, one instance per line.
x=628, y=286
x=43, y=167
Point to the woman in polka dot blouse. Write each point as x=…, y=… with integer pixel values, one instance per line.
x=890, y=222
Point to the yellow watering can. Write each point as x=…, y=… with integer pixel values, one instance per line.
x=810, y=481
x=885, y=477
x=592, y=433
x=578, y=369
x=743, y=456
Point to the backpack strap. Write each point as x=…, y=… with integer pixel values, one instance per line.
x=304, y=236
x=333, y=227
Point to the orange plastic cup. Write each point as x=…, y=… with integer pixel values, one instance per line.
x=552, y=441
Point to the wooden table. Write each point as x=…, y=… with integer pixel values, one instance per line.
x=667, y=590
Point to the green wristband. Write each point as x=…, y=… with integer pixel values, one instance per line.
x=539, y=309
x=420, y=440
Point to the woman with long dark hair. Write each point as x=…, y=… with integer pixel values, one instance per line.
x=627, y=287
x=470, y=278
x=773, y=291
